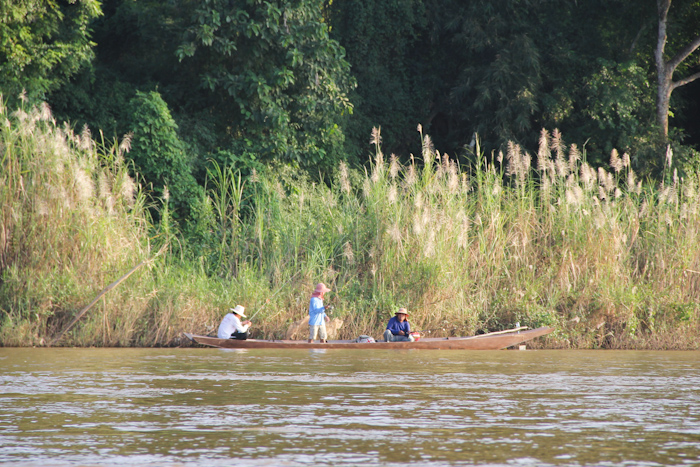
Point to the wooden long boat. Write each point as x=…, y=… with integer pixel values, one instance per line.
x=491, y=341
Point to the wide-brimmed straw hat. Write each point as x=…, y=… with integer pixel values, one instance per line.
x=321, y=287
x=402, y=311
x=239, y=310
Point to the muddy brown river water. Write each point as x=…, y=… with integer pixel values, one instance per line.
x=181, y=407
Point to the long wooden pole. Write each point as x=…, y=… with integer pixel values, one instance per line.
x=106, y=289
x=500, y=332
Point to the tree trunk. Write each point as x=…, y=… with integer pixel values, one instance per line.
x=663, y=77
x=665, y=68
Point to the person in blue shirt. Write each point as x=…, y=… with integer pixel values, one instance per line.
x=398, y=329
x=317, y=314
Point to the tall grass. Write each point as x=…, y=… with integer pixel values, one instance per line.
x=72, y=220
x=536, y=238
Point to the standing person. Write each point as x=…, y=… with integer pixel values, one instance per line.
x=317, y=314
x=231, y=326
x=398, y=329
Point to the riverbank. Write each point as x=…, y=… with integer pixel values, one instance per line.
x=541, y=239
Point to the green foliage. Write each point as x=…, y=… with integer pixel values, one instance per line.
x=280, y=82
x=43, y=43
x=159, y=154
x=619, y=100
x=387, y=44
x=97, y=98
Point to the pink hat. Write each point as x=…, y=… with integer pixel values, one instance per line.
x=321, y=288
x=403, y=311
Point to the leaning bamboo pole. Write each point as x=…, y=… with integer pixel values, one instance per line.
x=104, y=291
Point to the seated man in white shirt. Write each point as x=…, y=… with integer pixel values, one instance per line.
x=231, y=326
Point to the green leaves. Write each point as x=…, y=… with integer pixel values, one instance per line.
x=278, y=77
x=43, y=43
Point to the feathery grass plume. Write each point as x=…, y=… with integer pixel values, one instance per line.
x=599, y=219
x=453, y=178
x=344, y=178
x=499, y=157
x=546, y=185
x=644, y=209
x=631, y=182
x=127, y=188
x=366, y=188
x=514, y=167
x=618, y=193
x=574, y=157
x=348, y=253
x=394, y=167
x=689, y=189
x=395, y=233
x=125, y=145
x=588, y=176
x=601, y=193
x=302, y=200
x=466, y=187
x=85, y=141
x=21, y=117
x=669, y=156
x=497, y=190
x=393, y=194
x=429, y=245
x=560, y=163
x=411, y=177
x=378, y=168
x=626, y=162
x=463, y=232
x=417, y=224
x=418, y=200
x=426, y=217
x=376, y=138
x=45, y=113
x=543, y=152
x=606, y=180
x=673, y=191
x=615, y=161
x=428, y=151
x=375, y=174
x=84, y=187
x=278, y=189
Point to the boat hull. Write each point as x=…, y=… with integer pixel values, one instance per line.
x=479, y=342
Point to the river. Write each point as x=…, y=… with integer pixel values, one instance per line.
x=182, y=407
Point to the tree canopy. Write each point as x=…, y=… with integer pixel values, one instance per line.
x=303, y=82
x=43, y=43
